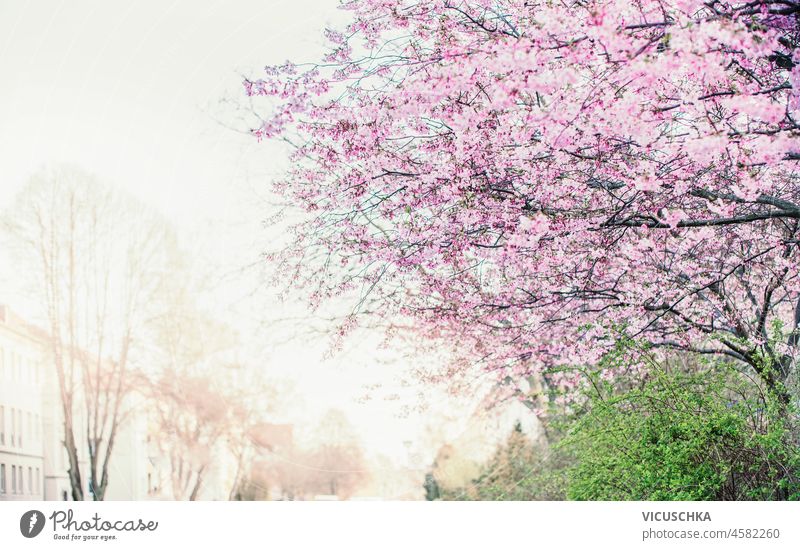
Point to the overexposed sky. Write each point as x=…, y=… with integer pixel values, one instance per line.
x=134, y=91
x=128, y=89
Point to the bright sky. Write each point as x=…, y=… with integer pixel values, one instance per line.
x=132, y=92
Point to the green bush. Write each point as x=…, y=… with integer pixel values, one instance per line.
x=676, y=430
x=684, y=436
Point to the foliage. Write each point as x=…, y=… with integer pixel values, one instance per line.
x=675, y=430
x=705, y=435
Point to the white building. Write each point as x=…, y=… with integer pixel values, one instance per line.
x=22, y=433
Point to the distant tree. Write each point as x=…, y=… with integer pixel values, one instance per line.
x=203, y=405
x=92, y=256
x=193, y=417
x=520, y=469
x=289, y=473
x=336, y=464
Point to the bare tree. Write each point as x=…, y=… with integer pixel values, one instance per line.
x=93, y=256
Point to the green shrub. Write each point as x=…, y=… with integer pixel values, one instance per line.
x=708, y=435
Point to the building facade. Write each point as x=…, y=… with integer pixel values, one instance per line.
x=22, y=422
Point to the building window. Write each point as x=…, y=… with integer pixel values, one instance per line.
x=30, y=480
x=38, y=481
x=19, y=428
x=13, y=429
x=2, y=425
x=13, y=479
x=2, y=479
x=20, y=478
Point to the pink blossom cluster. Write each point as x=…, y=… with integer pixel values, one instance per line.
x=531, y=180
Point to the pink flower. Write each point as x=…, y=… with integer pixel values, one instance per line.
x=501, y=184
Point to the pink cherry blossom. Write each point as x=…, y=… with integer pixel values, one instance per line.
x=528, y=181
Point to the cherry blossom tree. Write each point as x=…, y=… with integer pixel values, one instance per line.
x=533, y=180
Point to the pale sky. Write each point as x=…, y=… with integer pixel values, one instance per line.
x=131, y=91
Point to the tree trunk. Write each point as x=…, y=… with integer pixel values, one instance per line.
x=197, y=484
x=74, y=467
